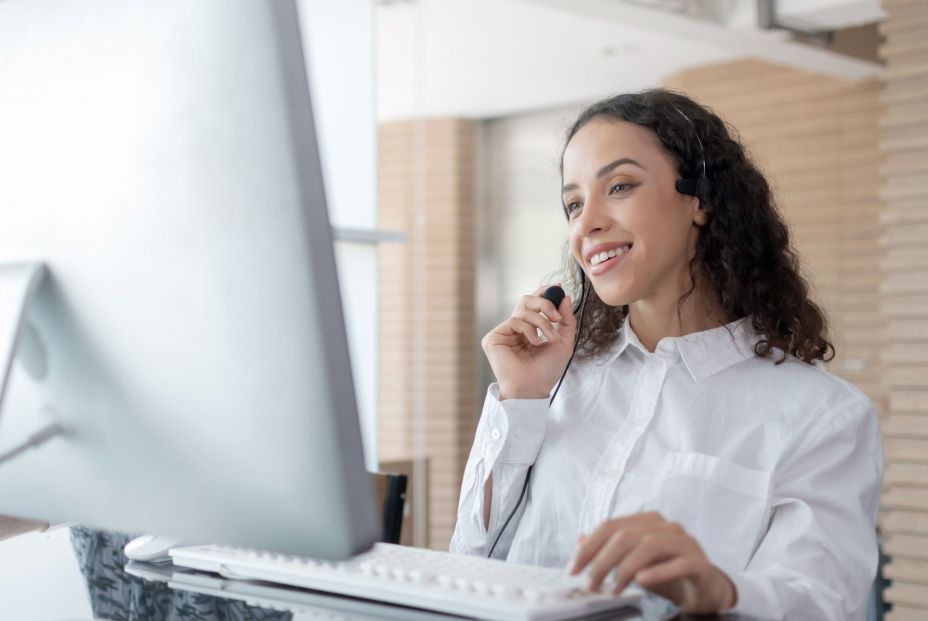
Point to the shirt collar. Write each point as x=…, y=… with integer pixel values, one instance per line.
x=703, y=353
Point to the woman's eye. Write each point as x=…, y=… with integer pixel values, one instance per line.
x=620, y=187
x=571, y=207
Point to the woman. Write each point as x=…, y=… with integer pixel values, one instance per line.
x=697, y=446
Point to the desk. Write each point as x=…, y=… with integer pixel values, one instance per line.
x=79, y=574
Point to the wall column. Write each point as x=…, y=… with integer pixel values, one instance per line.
x=428, y=337
x=904, y=301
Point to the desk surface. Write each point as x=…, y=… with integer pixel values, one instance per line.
x=79, y=574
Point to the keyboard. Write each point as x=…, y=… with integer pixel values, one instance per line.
x=462, y=585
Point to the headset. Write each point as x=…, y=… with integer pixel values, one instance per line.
x=694, y=186
x=691, y=186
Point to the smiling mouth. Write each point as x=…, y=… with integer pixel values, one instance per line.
x=604, y=256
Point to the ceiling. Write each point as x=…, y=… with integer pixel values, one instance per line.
x=491, y=58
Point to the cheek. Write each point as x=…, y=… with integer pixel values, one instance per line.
x=650, y=233
x=661, y=228
x=573, y=243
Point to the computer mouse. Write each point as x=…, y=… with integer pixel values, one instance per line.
x=151, y=548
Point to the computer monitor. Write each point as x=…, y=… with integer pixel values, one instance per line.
x=159, y=159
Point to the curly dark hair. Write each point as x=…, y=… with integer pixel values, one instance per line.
x=743, y=252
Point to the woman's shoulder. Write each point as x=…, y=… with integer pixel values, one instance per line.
x=804, y=389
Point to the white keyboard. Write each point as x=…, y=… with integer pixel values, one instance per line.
x=451, y=583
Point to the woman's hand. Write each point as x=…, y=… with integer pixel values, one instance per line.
x=661, y=557
x=527, y=366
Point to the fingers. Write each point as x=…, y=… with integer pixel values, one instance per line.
x=564, y=312
x=531, y=315
x=539, y=304
x=536, y=320
x=617, y=547
x=541, y=313
x=628, y=551
x=693, y=583
x=591, y=545
x=651, y=549
x=520, y=328
x=661, y=556
x=674, y=569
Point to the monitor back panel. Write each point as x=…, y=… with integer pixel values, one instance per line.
x=160, y=159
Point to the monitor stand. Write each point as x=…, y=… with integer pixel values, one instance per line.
x=18, y=340
x=18, y=284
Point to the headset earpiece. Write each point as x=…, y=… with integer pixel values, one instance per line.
x=695, y=186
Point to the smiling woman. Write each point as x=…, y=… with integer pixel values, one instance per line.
x=729, y=237
x=699, y=447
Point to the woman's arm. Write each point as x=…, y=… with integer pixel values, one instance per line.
x=507, y=442
x=512, y=425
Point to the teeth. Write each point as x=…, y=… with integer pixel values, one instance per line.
x=596, y=259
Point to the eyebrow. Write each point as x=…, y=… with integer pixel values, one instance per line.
x=605, y=170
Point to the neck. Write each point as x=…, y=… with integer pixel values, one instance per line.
x=660, y=316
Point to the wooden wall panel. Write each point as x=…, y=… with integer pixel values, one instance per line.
x=904, y=269
x=428, y=346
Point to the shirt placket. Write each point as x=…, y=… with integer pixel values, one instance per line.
x=611, y=466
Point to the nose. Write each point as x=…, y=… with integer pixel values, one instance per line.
x=593, y=218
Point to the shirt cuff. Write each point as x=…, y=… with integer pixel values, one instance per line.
x=515, y=426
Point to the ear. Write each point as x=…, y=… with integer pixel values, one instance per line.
x=700, y=217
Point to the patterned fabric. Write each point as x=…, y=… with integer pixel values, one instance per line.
x=117, y=596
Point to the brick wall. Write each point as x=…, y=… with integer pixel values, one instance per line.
x=904, y=272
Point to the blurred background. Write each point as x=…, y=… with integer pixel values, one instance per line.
x=441, y=124
x=471, y=100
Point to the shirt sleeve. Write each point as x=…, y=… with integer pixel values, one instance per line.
x=508, y=438
x=818, y=557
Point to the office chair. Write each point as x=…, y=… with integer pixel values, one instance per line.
x=391, y=496
x=876, y=605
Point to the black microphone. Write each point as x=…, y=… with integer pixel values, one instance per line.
x=555, y=295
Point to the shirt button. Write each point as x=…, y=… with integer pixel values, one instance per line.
x=495, y=434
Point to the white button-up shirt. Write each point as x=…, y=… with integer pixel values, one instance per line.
x=774, y=469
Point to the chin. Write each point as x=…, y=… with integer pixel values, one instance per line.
x=615, y=298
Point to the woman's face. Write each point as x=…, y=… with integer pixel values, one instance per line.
x=630, y=229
